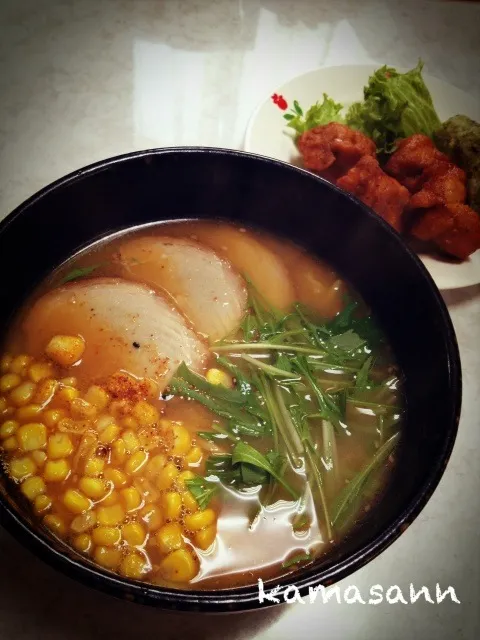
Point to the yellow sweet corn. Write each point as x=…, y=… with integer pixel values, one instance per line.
x=169, y=537
x=136, y=462
x=152, y=516
x=204, y=538
x=75, y=501
x=172, y=505
x=22, y=394
x=8, y=428
x=65, y=350
x=134, y=534
x=199, y=519
x=106, y=536
x=107, y=557
x=93, y=488
x=55, y=523
x=56, y=470
x=59, y=445
x=33, y=487
x=32, y=435
x=131, y=498
x=178, y=566
x=110, y=516
x=134, y=566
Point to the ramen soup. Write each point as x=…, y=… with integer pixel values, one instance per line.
x=198, y=405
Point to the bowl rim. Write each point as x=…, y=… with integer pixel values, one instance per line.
x=245, y=597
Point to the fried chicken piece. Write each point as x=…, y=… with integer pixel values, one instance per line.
x=453, y=228
x=375, y=188
x=333, y=147
x=446, y=184
x=414, y=160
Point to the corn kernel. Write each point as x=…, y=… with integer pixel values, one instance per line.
x=200, y=519
x=21, y=468
x=55, y=524
x=10, y=444
x=194, y=456
x=5, y=362
x=70, y=381
x=155, y=465
x=109, y=434
x=152, y=516
x=33, y=487
x=169, y=537
x=39, y=371
x=39, y=457
x=104, y=421
x=111, y=498
x=32, y=435
x=84, y=522
x=145, y=413
x=29, y=413
x=134, y=566
x=182, y=441
x=119, y=408
x=65, y=350
x=136, y=462
x=42, y=503
x=172, y=505
x=45, y=391
x=9, y=381
x=205, y=537
x=97, y=396
x=131, y=498
x=56, y=470
x=75, y=501
x=131, y=441
x=183, y=477
x=65, y=395
x=189, y=502
x=134, y=534
x=106, y=536
x=107, y=557
x=166, y=476
x=94, y=466
x=93, y=488
x=20, y=364
x=219, y=377
x=82, y=543
x=22, y=394
x=3, y=405
x=129, y=423
x=59, y=445
x=179, y=566
x=116, y=477
x=82, y=410
x=8, y=428
x=52, y=416
x=119, y=451
x=110, y=516
x=148, y=491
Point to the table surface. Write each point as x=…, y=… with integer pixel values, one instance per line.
x=84, y=80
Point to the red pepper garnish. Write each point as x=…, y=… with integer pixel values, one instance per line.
x=279, y=101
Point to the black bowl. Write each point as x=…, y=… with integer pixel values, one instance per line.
x=169, y=184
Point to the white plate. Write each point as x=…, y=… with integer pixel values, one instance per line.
x=267, y=135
